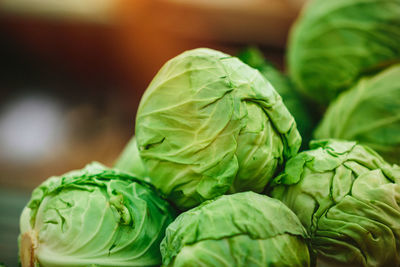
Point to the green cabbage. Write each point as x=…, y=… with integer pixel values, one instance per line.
x=368, y=113
x=243, y=229
x=282, y=84
x=333, y=43
x=208, y=124
x=94, y=216
x=130, y=161
x=348, y=199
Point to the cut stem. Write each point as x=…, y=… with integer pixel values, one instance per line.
x=28, y=247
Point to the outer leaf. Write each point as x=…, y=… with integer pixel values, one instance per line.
x=369, y=113
x=333, y=43
x=94, y=216
x=208, y=124
x=348, y=199
x=243, y=229
x=282, y=84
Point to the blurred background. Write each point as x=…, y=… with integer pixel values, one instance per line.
x=72, y=73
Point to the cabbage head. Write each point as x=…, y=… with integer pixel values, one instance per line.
x=368, y=113
x=208, y=124
x=130, y=161
x=347, y=197
x=334, y=43
x=284, y=86
x=243, y=229
x=93, y=217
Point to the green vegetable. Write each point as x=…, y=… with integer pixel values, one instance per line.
x=243, y=229
x=348, y=199
x=208, y=124
x=94, y=216
x=368, y=113
x=282, y=84
x=130, y=161
x=333, y=43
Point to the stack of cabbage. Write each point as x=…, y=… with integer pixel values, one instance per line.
x=208, y=125
x=347, y=53
x=214, y=138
